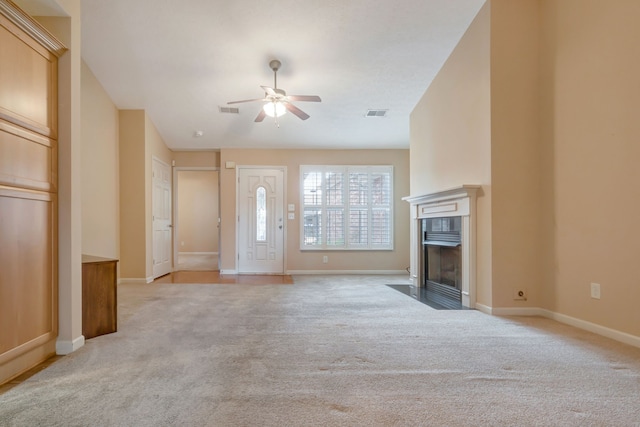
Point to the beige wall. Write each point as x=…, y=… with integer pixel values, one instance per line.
x=100, y=164
x=591, y=69
x=297, y=260
x=562, y=133
x=515, y=153
x=197, y=208
x=132, y=194
x=197, y=159
x=450, y=136
x=140, y=142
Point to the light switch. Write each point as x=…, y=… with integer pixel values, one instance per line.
x=291, y=207
x=291, y=215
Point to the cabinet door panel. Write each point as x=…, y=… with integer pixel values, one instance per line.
x=28, y=81
x=27, y=293
x=26, y=159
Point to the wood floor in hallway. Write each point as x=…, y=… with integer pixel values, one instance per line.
x=216, y=277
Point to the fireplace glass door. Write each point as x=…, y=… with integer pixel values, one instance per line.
x=444, y=265
x=442, y=275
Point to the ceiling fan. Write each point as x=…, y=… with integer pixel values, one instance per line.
x=277, y=102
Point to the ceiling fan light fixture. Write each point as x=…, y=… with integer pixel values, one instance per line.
x=274, y=109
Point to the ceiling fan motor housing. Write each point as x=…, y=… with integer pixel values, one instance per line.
x=275, y=65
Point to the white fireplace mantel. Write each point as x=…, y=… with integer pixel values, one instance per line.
x=464, y=191
x=458, y=201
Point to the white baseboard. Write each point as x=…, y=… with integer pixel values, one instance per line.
x=335, y=272
x=68, y=347
x=483, y=308
x=138, y=280
x=568, y=320
x=197, y=253
x=596, y=329
x=517, y=311
x=348, y=272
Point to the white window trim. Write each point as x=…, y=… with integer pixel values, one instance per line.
x=346, y=169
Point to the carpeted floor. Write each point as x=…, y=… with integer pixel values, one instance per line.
x=327, y=351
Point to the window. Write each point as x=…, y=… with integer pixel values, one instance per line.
x=261, y=214
x=347, y=207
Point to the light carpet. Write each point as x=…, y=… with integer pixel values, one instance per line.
x=327, y=351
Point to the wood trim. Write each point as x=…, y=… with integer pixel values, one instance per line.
x=11, y=117
x=38, y=138
x=26, y=23
x=26, y=194
x=30, y=345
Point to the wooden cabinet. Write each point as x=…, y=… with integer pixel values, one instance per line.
x=28, y=191
x=99, y=296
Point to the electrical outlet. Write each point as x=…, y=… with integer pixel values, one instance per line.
x=325, y=259
x=520, y=294
x=595, y=290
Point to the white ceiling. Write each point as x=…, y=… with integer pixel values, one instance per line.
x=181, y=60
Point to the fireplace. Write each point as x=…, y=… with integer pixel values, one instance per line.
x=442, y=264
x=443, y=246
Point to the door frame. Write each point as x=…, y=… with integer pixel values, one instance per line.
x=284, y=212
x=176, y=233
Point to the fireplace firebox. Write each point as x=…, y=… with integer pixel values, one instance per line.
x=442, y=276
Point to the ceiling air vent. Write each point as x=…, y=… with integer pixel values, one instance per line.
x=229, y=110
x=376, y=113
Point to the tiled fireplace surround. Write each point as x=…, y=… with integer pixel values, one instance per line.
x=459, y=201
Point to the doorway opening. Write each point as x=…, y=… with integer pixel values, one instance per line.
x=197, y=231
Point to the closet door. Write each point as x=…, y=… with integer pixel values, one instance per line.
x=28, y=189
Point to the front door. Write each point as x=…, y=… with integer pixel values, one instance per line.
x=261, y=220
x=161, y=201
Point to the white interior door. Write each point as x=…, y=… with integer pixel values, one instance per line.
x=261, y=221
x=161, y=200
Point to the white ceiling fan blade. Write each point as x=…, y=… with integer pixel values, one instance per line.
x=295, y=110
x=261, y=116
x=307, y=98
x=269, y=90
x=247, y=100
